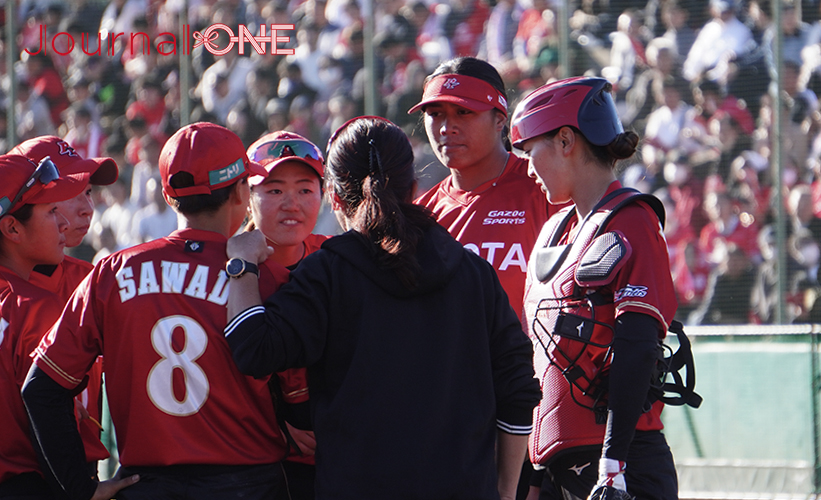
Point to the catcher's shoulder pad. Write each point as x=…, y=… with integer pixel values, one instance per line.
x=602, y=259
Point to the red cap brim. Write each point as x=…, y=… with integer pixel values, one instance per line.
x=461, y=101
x=256, y=180
x=64, y=188
x=469, y=92
x=106, y=172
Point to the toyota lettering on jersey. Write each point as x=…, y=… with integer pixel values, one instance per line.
x=499, y=221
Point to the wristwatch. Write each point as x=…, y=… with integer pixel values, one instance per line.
x=237, y=267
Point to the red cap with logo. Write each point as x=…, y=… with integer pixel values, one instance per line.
x=103, y=170
x=213, y=156
x=469, y=92
x=26, y=182
x=276, y=148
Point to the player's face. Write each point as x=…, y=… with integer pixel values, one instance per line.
x=78, y=212
x=546, y=167
x=285, y=207
x=43, y=235
x=462, y=138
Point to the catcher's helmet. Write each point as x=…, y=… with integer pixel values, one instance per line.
x=581, y=102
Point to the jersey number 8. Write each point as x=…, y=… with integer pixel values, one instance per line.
x=160, y=384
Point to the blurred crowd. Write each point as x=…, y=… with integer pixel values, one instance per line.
x=695, y=78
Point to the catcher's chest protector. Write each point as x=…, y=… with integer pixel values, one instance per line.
x=569, y=313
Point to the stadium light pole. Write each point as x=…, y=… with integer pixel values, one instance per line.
x=562, y=26
x=185, y=69
x=11, y=103
x=776, y=160
x=370, y=58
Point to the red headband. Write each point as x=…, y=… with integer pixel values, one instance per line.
x=472, y=93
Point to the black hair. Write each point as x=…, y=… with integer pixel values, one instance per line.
x=623, y=147
x=22, y=214
x=199, y=203
x=370, y=167
x=477, y=68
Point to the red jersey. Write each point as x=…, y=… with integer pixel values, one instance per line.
x=65, y=277
x=26, y=314
x=62, y=281
x=156, y=313
x=500, y=223
x=49, y=85
x=745, y=236
x=467, y=36
x=645, y=284
x=293, y=382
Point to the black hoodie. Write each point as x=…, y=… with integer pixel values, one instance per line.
x=408, y=386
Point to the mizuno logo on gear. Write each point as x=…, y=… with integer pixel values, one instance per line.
x=579, y=468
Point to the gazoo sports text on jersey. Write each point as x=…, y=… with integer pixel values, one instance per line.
x=504, y=217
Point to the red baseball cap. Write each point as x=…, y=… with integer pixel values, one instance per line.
x=26, y=182
x=213, y=155
x=472, y=93
x=103, y=170
x=276, y=148
x=739, y=113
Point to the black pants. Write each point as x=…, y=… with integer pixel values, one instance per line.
x=650, y=475
x=27, y=486
x=205, y=482
x=300, y=478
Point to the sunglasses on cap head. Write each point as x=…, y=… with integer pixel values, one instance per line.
x=284, y=148
x=46, y=172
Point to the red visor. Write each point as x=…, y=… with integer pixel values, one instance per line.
x=472, y=93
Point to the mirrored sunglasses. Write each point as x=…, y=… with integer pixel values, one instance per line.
x=46, y=173
x=282, y=149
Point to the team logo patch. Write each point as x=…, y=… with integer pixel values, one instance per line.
x=451, y=83
x=630, y=291
x=193, y=246
x=66, y=149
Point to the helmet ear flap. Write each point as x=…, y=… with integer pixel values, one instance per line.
x=598, y=116
x=582, y=102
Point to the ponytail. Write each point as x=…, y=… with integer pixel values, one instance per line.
x=623, y=147
x=370, y=167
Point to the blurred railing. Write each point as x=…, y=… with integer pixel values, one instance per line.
x=756, y=434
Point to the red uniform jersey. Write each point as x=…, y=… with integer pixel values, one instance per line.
x=293, y=382
x=500, y=223
x=26, y=314
x=642, y=285
x=62, y=282
x=65, y=278
x=156, y=313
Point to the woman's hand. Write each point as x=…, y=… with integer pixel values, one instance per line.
x=106, y=490
x=250, y=246
x=305, y=440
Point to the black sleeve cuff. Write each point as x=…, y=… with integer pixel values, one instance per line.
x=50, y=408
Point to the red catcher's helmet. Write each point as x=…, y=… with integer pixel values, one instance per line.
x=581, y=102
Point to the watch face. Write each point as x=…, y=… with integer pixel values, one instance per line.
x=235, y=267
